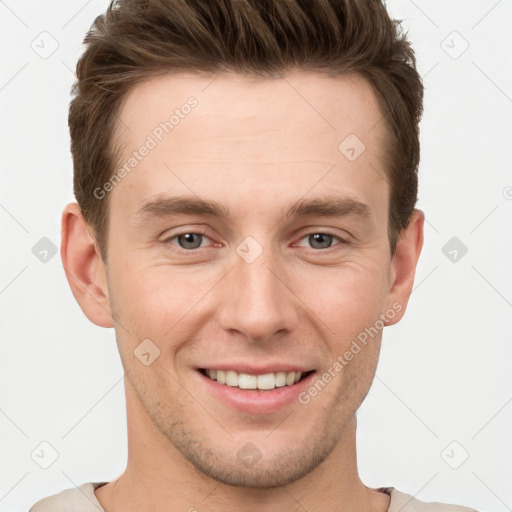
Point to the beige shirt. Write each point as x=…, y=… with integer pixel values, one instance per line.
x=83, y=499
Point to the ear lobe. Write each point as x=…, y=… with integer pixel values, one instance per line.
x=403, y=265
x=84, y=267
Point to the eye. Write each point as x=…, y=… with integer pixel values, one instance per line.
x=321, y=240
x=189, y=240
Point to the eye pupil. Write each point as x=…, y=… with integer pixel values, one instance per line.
x=190, y=240
x=320, y=240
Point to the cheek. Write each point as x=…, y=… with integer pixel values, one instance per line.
x=153, y=301
x=352, y=310
x=351, y=300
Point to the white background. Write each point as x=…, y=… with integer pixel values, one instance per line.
x=445, y=370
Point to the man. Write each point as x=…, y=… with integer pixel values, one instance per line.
x=246, y=176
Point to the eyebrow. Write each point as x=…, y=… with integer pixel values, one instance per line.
x=330, y=206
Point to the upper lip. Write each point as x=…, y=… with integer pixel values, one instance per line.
x=253, y=369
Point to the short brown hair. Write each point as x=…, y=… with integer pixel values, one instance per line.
x=138, y=39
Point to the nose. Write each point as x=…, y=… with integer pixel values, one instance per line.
x=258, y=301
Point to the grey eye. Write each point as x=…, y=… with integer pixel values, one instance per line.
x=320, y=240
x=190, y=240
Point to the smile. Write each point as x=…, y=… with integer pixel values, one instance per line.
x=262, y=382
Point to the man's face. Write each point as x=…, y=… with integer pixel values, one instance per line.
x=275, y=284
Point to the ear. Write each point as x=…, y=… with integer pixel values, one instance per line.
x=84, y=267
x=403, y=265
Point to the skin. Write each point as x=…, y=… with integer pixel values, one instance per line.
x=254, y=146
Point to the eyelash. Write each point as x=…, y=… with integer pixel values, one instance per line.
x=340, y=240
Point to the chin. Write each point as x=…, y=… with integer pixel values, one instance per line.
x=250, y=467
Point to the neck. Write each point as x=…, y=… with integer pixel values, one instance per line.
x=158, y=477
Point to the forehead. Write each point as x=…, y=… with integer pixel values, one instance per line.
x=252, y=133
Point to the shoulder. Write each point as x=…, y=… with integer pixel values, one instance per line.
x=406, y=503
x=79, y=499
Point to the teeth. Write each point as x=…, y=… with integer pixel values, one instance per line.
x=267, y=381
x=212, y=374
x=247, y=381
x=280, y=379
x=232, y=378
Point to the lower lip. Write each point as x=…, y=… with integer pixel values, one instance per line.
x=254, y=401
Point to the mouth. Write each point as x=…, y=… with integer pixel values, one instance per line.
x=256, y=391
x=261, y=382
